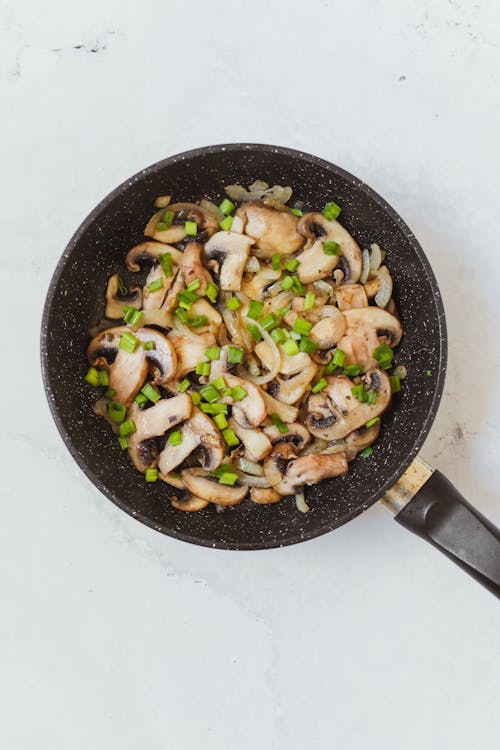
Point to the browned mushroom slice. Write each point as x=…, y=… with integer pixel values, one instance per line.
x=291, y=390
x=366, y=328
x=198, y=432
x=264, y=496
x=116, y=301
x=335, y=412
x=189, y=504
x=330, y=329
x=350, y=297
x=192, y=268
x=154, y=300
x=274, y=231
x=205, y=221
x=190, y=349
x=201, y=484
x=162, y=359
x=284, y=411
x=153, y=422
x=126, y=371
x=149, y=252
x=257, y=444
x=315, y=264
x=296, y=434
x=230, y=250
x=287, y=474
x=251, y=410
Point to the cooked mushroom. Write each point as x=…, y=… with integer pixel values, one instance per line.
x=290, y=364
x=351, y=296
x=273, y=231
x=201, y=484
x=255, y=285
x=203, y=307
x=162, y=359
x=177, y=286
x=296, y=434
x=197, y=432
x=363, y=437
x=189, y=504
x=205, y=221
x=327, y=331
x=366, y=328
x=314, y=262
x=190, y=348
x=264, y=496
x=287, y=473
x=335, y=412
x=284, y=411
x=153, y=422
x=231, y=251
x=192, y=268
x=116, y=301
x=149, y=251
x=291, y=390
x=251, y=410
x=256, y=443
x=154, y=300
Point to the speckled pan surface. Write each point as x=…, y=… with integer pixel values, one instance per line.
x=76, y=299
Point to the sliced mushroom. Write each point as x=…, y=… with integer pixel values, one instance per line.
x=290, y=391
x=315, y=264
x=312, y=469
x=190, y=349
x=162, y=359
x=257, y=444
x=201, y=484
x=290, y=364
x=126, y=371
x=192, y=268
x=153, y=422
x=177, y=286
x=149, y=252
x=264, y=496
x=203, y=307
x=197, y=432
x=189, y=504
x=231, y=251
x=351, y=296
x=154, y=300
x=274, y=231
x=285, y=412
x=327, y=331
x=205, y=221
x=335, y=412
x=362, y=438
x=366, y=328
x=296, y=434
x=115, y=301
x=255, y=285
x=251, y=410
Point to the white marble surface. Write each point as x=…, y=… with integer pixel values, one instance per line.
x=113, y=636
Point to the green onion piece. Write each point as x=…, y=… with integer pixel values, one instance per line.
x=141, y=399
x=221, y=421
x=359, y=392
x=193, y=286
x=339, y=358
x=210, y=393
x=186, y=299
x=110, y=393
x=220, y=470
x=214, y=408
x=331, y=248
x=151, y=475
x=155, y=285
x=383, y=354
x=226, y=207
x=182, y=315
x=233, y=303
x=297, y=285
x=290, y=347
x=122, y=288
x=294, y=335
x=148, y=345
x=128, y=342
x=213, y=352
x=331, y=211
x=151, y=393
x=255, y=309
x=195, y=398
x=212, y=292
x=127, y=313
x=238, y=393
x=166, y=264
x=123, y=442
x=371, y=397
x=231, y=440
x=197, y=321
x=276, y=419
x=395, y=383
x=127, y=427
x=331, y=366
x=307, y=345
x=228, y=478
x=203, y=368
x=371, y=422
x=135, y=318
x=190, y=228
x=319, y=386
x=235, y=355
x=175, y=437
x=278, y=335
x=161, y=227
x=116, y=411
x=352, y=370
x=296, y=212
x=366, y=452
x=292, y=265
x=286, y=283
x=183, y=385
x=283, y=311
x=220, y=383
x=254, y=332
x=167, y=217
x=276, y=262
x=269, y=321
x=428, y=373
x=92, y=376
x=302, y=327
x=226, y=223
x=309, y=300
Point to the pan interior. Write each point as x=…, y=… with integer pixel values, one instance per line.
x=76, y=299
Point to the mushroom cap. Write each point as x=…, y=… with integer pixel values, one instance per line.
x=126, y=371
x=327, y=331
x=115, y=301
x=148, y=252
x=190, y=348
x=162, y=359
x=189, y=504
x=365, y=329
x=256, y=442
x=191, y=267
x=205, y=221
x=231, y=249
x=153, y=422
x=351, y=296
x=264, y=496
x=297, y=434
x=314, y=263
x=291, y=390
x=201, y=484
x=251, y=410
x=197, y=432
x=274, y=231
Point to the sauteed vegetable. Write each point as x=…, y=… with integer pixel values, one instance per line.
x=255, y=357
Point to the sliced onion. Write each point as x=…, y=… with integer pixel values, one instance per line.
x=212, y=209
x=253, y=481
x=317, y=446
x=274, y=304
x=323, y=291
x=258, y=191
x=300, y=502
x=266, y=377
x=375, y=258
x=253, y=365
x=274, y=289
x=400, y=372
x=162, y=318
x=249, y=467
x=252, y=265
x=384, y=293
x=162, y=201
x=173, y=480
x=366, y=266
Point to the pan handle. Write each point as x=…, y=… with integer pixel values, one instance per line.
x=427, y=504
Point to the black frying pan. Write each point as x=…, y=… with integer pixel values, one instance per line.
x=424, y=501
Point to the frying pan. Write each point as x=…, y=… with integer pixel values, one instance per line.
x=421, y=498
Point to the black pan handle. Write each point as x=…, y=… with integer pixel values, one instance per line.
x=438, y=513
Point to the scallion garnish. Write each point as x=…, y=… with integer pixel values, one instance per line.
x=127, y=428
x=151, y=393
x=197, y=321
x=212, y=292
x=141, y=399
x=331, y=211
x=296, y=212
x=203, y=368
x=359, y=392
x=276, y=262
x=214, y=408
x=195, y=398
x=395, y=383
x=371, y=397
x=235, y=355
x=148, y=345
x=366, y=452
x=292, y=265
x=110, y=393
x=226, y=224
x=186, y=299
x=231, y=439
x=384, y=355
x=254, y=332
x=193, y=285
x=307, y=345
x=255, y=309
x=210, y=393
x=269, y=322
x=309, y=300
x=276, y=419
x=331, y=248
x=297, y=285
x=166, y=264
x=213, y=353
x=220, y=383
x=151, y=475
x=352, y=371
x=302, y=327
x=226, y=207
x=278, y=335
x=290, y=347
x=286, y=283
x=122, y=442
x=175, y=437
x=339, y=358
x=92, y=376
x=182, y=315
x=221, y=421
x=229, y=478
x=319, y=386
x=183, y=385
x=128, y=342
x=156, y=284
x=233, y=303
x=371, y=422
x=116, y=411
x=190, y=228
x=238, y=393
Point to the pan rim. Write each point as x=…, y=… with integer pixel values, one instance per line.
x=356, y=182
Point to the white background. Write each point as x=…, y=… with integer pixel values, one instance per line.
x=114, y=636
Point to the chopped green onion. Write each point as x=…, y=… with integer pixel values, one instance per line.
x=141, y=399
x=283, y=311
x=213, y=352
x=359, y=392
x=297, y=285
x=162, y=227
x=276, y=262
x=296, y=212
x=92, y=376
x=339, y=358
x=233, y=303
x=190, y=228
x=220, y=470
x=210, y=393
x=371, y=397
x=116, y=411
x=226, y=223
x=395, y=383
x=352, y=370
x=155, y=285
x=286, y=283
x=278, y=335
x=212, y=292
x=182, y=315
x=371, y=422
x=104, y=378
x=235, y=355
x=383, y=354
x=148, y=345
x=221, y=421
x=302, y=327
x=226, y=207
x=231, y=440
x=151, y=393
x=214, y=408
x=366, y=452
x=319, y=386
x=294, y=335
x=175, y=437
x=331, y=248
x=254, y=332
x=193, y=285
x=151, y=475
x=195, y=398
x=292, y=265
x=197, y=321
x=290, y=347
x=428, y=373
x=166, y=264
x=127, y=427
x=269, y=322
x=307, y=345
x=228, y=478
x=183, y=385
x=186, y=299
x=203, y=368
x=255, y=309
x=309, y=300
x=136, y=317
x=110, y=393
x=123, y=442
x=128, y=342
x=127, y=313
x=238, y=393
x=331, y=366
x=167, y=217
x=220, y=383
x=331, y=211
x=276, y=419
x=122, y=288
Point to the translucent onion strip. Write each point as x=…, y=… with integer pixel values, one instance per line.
x=266, y=377
x=300, y=502
x=253, y=481
x=249, y=467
